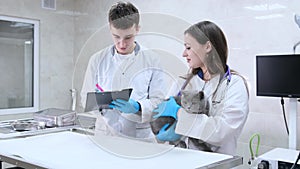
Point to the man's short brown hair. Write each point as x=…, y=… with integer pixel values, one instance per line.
x=123, y=15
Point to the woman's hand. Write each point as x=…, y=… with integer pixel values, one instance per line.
x=167, y=133
x=167, y=108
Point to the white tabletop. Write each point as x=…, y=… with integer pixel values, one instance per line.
x=68, y=149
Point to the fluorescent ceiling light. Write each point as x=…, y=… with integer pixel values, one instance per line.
x=269, y=16
x=70, y=13
x=28, y=42
x=265, y=7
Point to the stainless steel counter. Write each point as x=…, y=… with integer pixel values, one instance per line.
x=7, y=131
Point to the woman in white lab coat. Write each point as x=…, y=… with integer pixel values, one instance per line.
x=126, y=65
x=206, y=53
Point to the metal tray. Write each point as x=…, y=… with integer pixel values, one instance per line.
x=54, y=117
x=27, y=125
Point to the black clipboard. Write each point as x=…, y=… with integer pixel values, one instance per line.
x=101, y=100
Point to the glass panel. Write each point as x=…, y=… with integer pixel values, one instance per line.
x=18, y=46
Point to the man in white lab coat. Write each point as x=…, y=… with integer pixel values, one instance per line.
x=126, y=64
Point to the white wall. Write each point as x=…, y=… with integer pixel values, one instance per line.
x=76, y=29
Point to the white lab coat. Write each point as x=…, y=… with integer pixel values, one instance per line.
x=220, y=129
x=141, y=71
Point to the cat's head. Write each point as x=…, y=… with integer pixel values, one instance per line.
x=194, y=101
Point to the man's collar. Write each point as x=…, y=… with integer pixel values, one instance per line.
x=137, y=48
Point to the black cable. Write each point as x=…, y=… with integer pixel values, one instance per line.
x=263, y=165
x=283, y=112
x=294, y=165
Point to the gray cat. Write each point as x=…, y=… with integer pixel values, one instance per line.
x=192, y=102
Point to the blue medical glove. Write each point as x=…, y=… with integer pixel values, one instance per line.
x=130, y=106
x=167, y=133
x=167, y=108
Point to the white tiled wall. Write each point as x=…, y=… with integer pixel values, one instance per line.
x=70, y=34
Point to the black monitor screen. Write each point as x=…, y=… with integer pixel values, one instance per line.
x=278, y=75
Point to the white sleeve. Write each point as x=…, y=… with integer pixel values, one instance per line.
x=157, y=86
x=89, y=79
x=174, y=88
x=156, y=93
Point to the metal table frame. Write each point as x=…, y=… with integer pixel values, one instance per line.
x=224, y=164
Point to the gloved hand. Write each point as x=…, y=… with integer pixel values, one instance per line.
x=167, y=133
x=130, y=106
x=167, y=108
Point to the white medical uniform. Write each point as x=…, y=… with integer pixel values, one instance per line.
x=219, y=130
x=139, y=70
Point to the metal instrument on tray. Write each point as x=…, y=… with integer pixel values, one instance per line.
x=19, y=125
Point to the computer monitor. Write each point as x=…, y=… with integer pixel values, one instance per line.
x=278, y=75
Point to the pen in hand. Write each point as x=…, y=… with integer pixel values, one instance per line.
x=99, y=87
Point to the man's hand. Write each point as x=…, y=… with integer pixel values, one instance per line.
x=130, y=106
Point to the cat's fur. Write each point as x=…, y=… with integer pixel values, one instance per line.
x=192, y=102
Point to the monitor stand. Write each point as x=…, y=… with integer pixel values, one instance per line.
x=293, y=123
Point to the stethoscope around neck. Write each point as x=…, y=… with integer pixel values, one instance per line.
x=226, y=75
